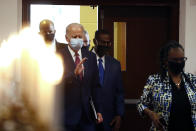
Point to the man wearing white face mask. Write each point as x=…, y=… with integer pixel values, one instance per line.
x=81, y=82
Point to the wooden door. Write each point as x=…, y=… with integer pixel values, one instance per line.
x=147, y=29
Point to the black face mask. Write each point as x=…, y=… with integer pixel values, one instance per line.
x=176, y=67
x=101, y=50
x=49, y=37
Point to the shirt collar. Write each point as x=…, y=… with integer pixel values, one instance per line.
x=52, y=46
x=73, y=53
x=103, y=57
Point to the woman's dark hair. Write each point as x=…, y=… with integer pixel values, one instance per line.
x=164, y=55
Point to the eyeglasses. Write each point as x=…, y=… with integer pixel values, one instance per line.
x=178, y=59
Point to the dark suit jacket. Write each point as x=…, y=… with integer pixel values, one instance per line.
x=112, y=90
x=76, y=92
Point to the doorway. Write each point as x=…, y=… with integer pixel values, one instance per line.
x=146, y=29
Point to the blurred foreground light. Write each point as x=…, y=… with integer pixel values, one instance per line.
x=29, y=73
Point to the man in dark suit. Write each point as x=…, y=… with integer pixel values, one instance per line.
x=111, y=82
x=80, y=82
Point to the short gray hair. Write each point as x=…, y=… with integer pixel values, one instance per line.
x=73, y=24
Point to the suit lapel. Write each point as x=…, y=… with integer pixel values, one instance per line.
x=69, y=63
x=84, y=53
x=107, y=68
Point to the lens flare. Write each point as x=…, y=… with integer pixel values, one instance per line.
x=29, y=73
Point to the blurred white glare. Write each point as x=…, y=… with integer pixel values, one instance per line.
x=28, y=67
x=61, y=15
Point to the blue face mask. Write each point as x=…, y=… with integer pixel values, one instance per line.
x=76, y=43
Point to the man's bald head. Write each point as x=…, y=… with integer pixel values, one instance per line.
x=47, y=30
x=45, y=24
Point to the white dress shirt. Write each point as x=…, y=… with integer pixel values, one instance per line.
x=52, y=46
x=73, y=54
x=74, y=57
x=103, y=59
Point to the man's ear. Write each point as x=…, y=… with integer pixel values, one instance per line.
x=95, y=41
x=67, y=39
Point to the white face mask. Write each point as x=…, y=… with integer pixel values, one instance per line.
x=76, y=43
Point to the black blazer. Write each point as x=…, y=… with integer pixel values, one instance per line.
x=112, y=90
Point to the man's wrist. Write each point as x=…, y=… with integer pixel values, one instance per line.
x=147, y=112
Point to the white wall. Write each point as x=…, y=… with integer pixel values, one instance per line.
x=10, y=17
x=188, y=32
